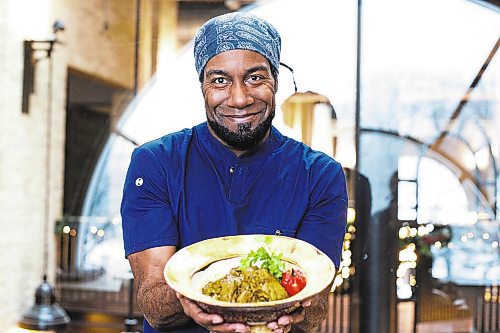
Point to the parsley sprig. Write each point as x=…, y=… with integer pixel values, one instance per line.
x=262, y=258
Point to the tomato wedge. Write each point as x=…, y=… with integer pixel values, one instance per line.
x=293, y=280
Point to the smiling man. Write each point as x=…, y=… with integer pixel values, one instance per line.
x=233, y=174
x=239, y=91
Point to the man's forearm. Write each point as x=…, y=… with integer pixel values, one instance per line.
x=160, y=306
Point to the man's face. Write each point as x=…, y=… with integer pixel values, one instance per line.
x=239, y=91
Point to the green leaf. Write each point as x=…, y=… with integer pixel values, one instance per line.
x=272, y=262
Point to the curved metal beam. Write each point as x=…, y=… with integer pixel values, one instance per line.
x=462, y=176
x=466, y=97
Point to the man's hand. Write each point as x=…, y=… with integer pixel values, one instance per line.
x=284, y=323
x=212, y=322
x=308, y=318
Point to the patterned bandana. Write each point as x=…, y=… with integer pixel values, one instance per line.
x=236, y=31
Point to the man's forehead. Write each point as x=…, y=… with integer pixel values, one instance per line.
x=242, y=60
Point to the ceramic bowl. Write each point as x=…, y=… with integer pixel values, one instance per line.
x=189, y=269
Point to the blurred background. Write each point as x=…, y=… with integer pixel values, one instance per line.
x=404, y=93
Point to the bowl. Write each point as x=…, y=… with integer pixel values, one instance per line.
x=190, y=268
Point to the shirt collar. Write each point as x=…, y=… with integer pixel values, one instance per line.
x=217, y=149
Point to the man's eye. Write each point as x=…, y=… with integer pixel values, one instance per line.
x=219, y=80
x=255, y=78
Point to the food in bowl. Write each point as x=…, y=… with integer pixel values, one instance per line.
x=249, y=285
x=260, y=277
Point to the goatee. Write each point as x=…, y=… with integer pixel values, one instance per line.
x=244, y=137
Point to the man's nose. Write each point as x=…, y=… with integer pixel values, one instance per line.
x=239, y=96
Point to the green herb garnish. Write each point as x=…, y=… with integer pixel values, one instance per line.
x=261, y=258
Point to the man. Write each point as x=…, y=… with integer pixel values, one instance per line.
x=234, y=174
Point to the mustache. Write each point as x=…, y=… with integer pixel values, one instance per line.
x=227, y=111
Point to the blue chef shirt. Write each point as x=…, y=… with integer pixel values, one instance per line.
x=186, y=187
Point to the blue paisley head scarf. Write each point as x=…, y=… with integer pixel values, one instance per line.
x=236, y=31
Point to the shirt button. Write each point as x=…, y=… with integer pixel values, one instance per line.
x=231, y=170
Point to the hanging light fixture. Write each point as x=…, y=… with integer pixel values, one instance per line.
x=303, y=111
x=46, y=314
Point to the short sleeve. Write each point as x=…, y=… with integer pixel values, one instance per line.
x=147, y=217
x=324, y=223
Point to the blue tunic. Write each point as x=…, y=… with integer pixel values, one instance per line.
x=186, y=187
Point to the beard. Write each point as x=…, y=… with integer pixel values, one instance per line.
x=244, y=137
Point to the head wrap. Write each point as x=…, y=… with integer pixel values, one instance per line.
x=236, y=31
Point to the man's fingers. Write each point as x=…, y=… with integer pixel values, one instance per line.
x=229, y=328
x=273, y=325
x=285, y=320
x=216, y=319
x=235, y=327
x=207, y=318
x=213, y=322
x=284, y=323
x=194, y=311
x=306, y=303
